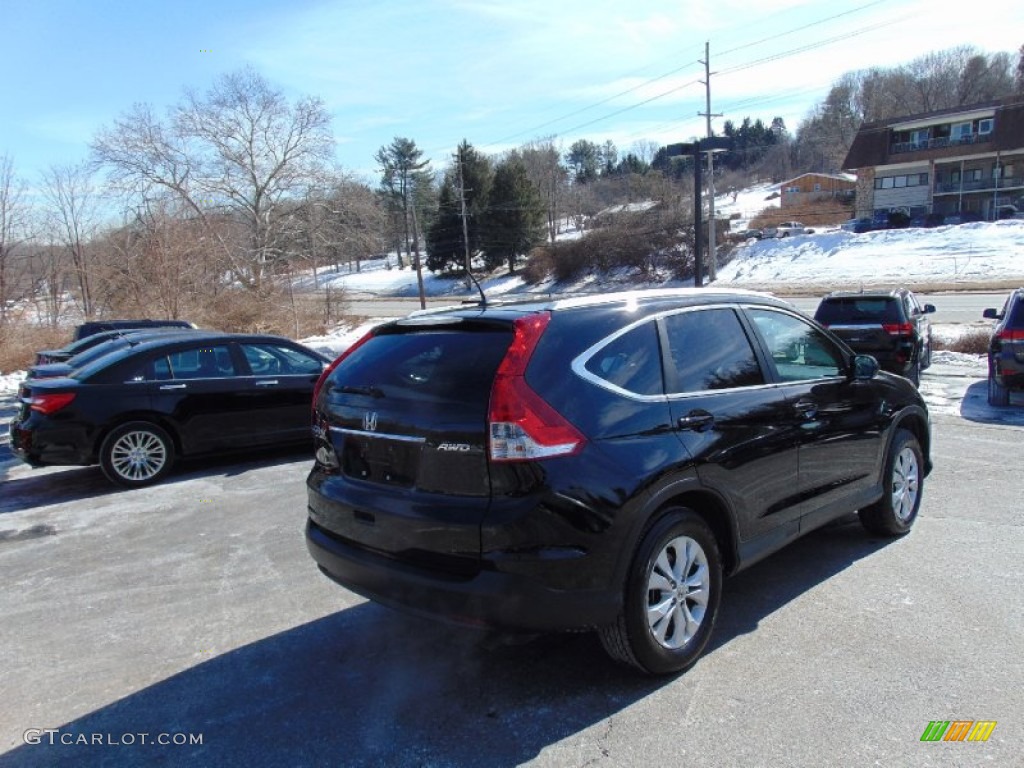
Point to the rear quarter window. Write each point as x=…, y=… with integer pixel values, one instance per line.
x=631, y=361
x=1017, y=313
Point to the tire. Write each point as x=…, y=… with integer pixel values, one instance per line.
x=914, y=374
x=894, y=514
x=997, y=394
x=673, y=591
x=137, y=453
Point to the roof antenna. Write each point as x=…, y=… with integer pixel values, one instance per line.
x=483, y=299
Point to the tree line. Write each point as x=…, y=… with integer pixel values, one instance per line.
x=226, y=198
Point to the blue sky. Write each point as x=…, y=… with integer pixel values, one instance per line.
x=498, y=74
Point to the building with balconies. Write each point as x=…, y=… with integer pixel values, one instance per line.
x=966, y=162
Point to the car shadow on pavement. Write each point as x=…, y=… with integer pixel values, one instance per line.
x=31, y=488
x=974, y=407
x=367, y=686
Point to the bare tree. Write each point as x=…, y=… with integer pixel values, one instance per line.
x=73, y=220
x=13, y=229
x=543, y=163
x=239, y=151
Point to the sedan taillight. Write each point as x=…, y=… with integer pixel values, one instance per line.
x=50, y=403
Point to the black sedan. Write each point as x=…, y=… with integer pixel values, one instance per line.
x=134, y=411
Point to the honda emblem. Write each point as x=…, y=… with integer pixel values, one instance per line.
x=370, y=421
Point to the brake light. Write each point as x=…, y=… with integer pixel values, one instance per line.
x=1016, y=334
x=330, y=368
x=898, y=329
x=50, y=403
x=521, y=425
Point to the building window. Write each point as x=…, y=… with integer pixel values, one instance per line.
x=961, y=130
x=985, y=126
x=817, y=187
x=973, y=175
x=900, y=181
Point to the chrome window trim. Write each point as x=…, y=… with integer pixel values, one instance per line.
x=384, y=435
x=581, y=360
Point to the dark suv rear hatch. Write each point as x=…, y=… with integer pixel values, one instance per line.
x=872, y=325
x=405, y=418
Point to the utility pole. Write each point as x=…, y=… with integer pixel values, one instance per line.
x=416, y=258
x=712, y=259
x=465, y=226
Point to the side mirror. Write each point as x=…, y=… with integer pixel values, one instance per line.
x=929, y=308
x=865, y=367
x=991, y=314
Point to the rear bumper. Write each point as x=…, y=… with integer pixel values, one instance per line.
x=42, y=447
x=488, y=598
x=1008, y=373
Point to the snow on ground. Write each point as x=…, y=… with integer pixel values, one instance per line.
x=949, y=254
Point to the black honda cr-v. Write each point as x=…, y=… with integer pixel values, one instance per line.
x=600, y=462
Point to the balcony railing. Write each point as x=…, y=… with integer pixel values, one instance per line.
x=937, y=143
x=985, y=185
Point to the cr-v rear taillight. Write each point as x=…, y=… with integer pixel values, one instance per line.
x=521, y=425
x=1015, y=334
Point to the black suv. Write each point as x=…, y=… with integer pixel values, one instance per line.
x=600, y=462
x=1006, y=349
x=891, y=326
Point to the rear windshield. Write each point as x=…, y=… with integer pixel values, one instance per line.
x=858, y=309
x=434, y=365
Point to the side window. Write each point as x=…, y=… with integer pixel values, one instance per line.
x=709, y=351
x=274, y=359
x=798, y=350
x=207, y=362
x=631, y=362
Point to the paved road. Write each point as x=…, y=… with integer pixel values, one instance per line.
x=193, y=608
x=950, y=307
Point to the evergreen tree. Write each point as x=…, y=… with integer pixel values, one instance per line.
x=584, y=159
x=402, y=172
x=515, y=216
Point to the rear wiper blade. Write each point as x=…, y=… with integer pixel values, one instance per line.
x=366, y=389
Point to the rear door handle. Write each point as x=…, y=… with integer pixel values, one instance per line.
x=698, y=421
x=266, y=383
x=174, y=386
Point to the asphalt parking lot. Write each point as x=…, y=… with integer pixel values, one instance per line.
x=190, y=613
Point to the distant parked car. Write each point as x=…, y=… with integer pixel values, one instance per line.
x=787, y=228
x=75, y=348
x=1006, y=349
x=135, y=410
x=108, y=342
x=98, y=326
x=857, y=225
x=742, y=235
x=891, y=326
